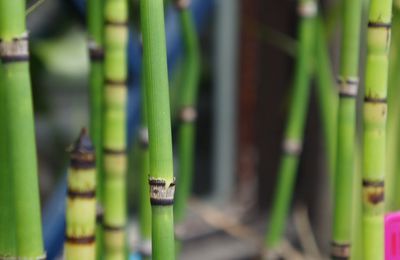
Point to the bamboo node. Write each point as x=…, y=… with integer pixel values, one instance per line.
x=82, y=152
x=348, y=86
x=72, y=194
x=99, y=213
x=292, y=147
x=96, y=52
x=144, y=137
x=161, y=194
x=145, y=248
x=15, y=50
x=307, y=9
x=373, y=191
x=182, y=4
x=188, y=114
x=81, y=240
x=341, y=251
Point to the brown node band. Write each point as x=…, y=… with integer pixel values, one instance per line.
x=379, y=25
x=348, y=87
x=161, y=194
x=80, y=240
x=111, y=228
x=99, y=214
x=340, y=251
x=188, y=114
x=16, y=50
x=96, y=52
x=115, y=83
x=374, y=191
x=81, y=194
x=368, y=183
x=117, y=23
x=80, y=164
x=108, y=151
x=375, y=100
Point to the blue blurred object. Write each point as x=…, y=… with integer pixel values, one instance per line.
x=54, y=211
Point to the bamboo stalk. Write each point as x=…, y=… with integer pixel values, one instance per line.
x=8, y=246
x=19, y=129
x=81, y=202
x=114, y=139
x=95, y=22
x=145, y=207
x=188, y=112
x=374, y=135
x=346, y=129
x=161, y=180
x=292, y=143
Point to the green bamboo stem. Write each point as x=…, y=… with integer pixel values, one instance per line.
x=393, y=123
x=145, y=207
x=8, y=246
x=188, y=101
x=95, y=23
x=346, y=129
x=292, y=143
x=327, y=96
x=19, y=129
x=161, y=180
x=114, y=138
x=80, y=242
x=374, y=135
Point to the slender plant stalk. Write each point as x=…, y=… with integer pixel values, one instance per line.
x=145, y=207
x=114, y=142
x=374, y=135
x=327, y=96
x=292, y=144
x=81, y=201
x=393, y=121
x=19, y=129
x=161, y=180
x=188, y=111
x=346, y=129
x=8, y=246
x=95, y=22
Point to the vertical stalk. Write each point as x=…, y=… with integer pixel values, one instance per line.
x=188, y=111
x=346, y=129
x=114, y=138
x=95, y=22
x=8, y=246
x=161, y=180
x=374, y=135
x=81, y=201
x=292, y=144
x=145, y=207
x=19, y=129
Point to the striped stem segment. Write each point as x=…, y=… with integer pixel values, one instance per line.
x=81, y=201
x=346, y=129
x=188, y=112
x=114, y=142
x=19, y=129
x=161, y=181
x=8, y=246
x=374, y=135
x=292, y=145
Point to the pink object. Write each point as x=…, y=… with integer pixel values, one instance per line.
x=392, y=236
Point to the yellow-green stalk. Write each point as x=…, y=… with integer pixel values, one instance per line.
x=114, y=139
x=81, y=201
x=346, y=130
x=161, y=180
x=374, y=135
x=18, y=129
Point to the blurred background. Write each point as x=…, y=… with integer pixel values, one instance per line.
x=247, y=49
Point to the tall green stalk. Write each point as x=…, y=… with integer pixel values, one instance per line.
x=8, y=246
x=145, y=207
x=374, y=136
x=95, y=23
x=114, y=138
x=81, y=202
x=292, y=143
x=188, y=112
x=161, y=180
x=346, y=129
x=19, y=131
